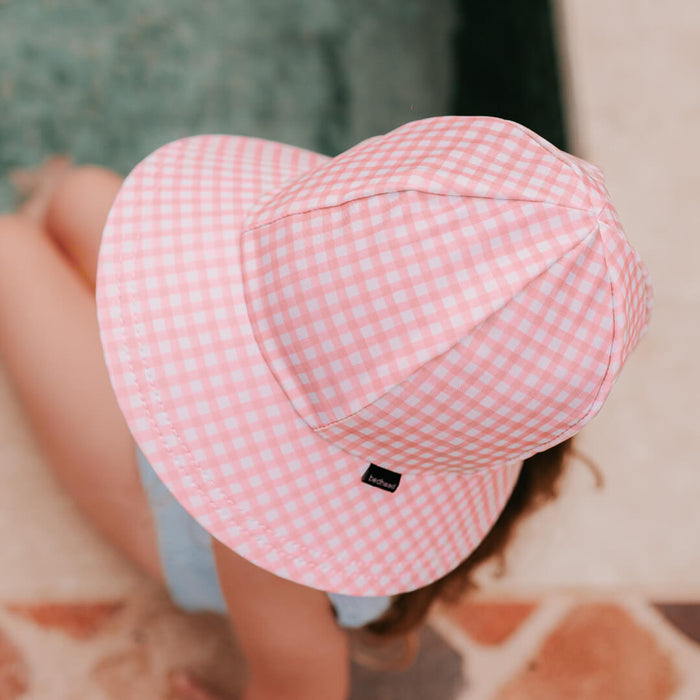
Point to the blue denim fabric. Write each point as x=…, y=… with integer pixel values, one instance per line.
x=188, y=562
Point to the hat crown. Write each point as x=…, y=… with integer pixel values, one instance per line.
x=388, y=283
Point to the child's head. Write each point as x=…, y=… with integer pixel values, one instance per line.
x=339, y=365
x=538, y=483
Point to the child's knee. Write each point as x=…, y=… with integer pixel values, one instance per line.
x=81, y=188
x=86, y=178
x=14, y=228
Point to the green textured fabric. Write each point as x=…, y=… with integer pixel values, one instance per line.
x=108, y=81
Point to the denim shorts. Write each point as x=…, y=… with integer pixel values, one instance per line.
x=187, y=559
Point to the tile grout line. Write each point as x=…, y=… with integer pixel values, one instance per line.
x=683, y=652
x=487, y=669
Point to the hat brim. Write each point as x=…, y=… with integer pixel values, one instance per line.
x=209, y=415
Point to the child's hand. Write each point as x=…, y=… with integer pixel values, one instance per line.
x=185, y=686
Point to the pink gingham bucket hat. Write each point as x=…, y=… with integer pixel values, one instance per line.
x=338, y=365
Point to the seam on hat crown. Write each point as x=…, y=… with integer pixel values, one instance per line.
x=428, y=156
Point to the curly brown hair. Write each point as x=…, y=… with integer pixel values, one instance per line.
x=391, y=641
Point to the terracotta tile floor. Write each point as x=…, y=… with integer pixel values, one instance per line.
x=573, y=646
x=561, y=646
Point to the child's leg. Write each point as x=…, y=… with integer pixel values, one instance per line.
x=49, y=345
x=77, y=212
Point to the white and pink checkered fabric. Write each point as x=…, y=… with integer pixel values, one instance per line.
x=443, y=301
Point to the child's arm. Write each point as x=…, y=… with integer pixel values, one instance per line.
x=293, y=646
